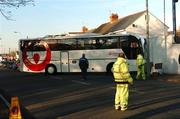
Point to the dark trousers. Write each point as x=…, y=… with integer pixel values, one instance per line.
x=84, y=73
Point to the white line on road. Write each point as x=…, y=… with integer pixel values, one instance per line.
x=54, y=77
x=131, y=90
x=136, y=91
x=80, y=82
x=6, y=102
x=75, y=81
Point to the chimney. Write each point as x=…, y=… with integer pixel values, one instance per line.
x=113, y=17
x=84, y=29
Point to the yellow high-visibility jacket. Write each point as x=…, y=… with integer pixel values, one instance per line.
x=140, y=60
x=121, y=71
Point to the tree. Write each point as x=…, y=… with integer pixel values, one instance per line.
x=6, y=6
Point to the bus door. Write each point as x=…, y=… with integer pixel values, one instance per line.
x=64, y=62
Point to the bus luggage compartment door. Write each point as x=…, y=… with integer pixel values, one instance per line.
x=64, y=62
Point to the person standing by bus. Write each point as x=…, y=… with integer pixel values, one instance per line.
x=140, y=67
x=122, y=79
x=83, y=65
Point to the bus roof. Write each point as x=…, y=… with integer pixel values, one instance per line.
x=79, y=36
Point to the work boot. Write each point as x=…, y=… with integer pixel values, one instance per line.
x=123, y=108
x=117, y=107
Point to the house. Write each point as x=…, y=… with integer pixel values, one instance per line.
x=158, y=35
x=173, y=54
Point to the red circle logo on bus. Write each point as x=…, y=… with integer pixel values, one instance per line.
x=37, y=66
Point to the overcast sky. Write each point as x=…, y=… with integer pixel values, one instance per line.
x=62, y=16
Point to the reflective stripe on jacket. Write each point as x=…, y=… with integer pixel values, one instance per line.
x=140, y=60
x=121, y=70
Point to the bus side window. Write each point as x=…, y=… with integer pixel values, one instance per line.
x=134, y=47
x=69, y=44
x=125, y=47
x=109, y=43
x=133, y=50
x=130, y=46
x=113, y=43
x=80, y=44
x=98, y=44
x=86, y=44
x=92, y=43
x=22, y=45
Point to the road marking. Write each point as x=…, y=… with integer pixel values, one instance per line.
x=6, y=102
x=132, y=90
x=75, y=81
x=136, y=91
x=113, y=87
x=54, y=77
x=80, y=82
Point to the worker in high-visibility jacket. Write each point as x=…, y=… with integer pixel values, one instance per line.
x=140, y=67
x=122, y=79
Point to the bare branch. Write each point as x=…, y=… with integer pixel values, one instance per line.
x=9, y=4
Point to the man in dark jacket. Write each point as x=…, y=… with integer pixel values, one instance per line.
x=83, y=65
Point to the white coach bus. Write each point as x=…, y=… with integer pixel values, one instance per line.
x=62, y=53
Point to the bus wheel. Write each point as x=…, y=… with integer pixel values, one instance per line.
x=50, y=69
x=109, y=68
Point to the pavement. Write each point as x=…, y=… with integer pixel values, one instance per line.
x=174, y=78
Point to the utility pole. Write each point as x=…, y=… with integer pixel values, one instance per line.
x=165, y=32
x=1, y=46
x=174, y=19
x=9, y=51
x=147, y=38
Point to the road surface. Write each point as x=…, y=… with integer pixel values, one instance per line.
x=66, y=96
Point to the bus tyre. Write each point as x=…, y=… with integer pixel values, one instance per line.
x=109, y=68
x=50, y=69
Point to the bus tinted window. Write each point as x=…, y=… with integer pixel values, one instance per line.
x=109, y=43
x=131, y=46
x=67, y=44
x=101, y=43
x=34, y=45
